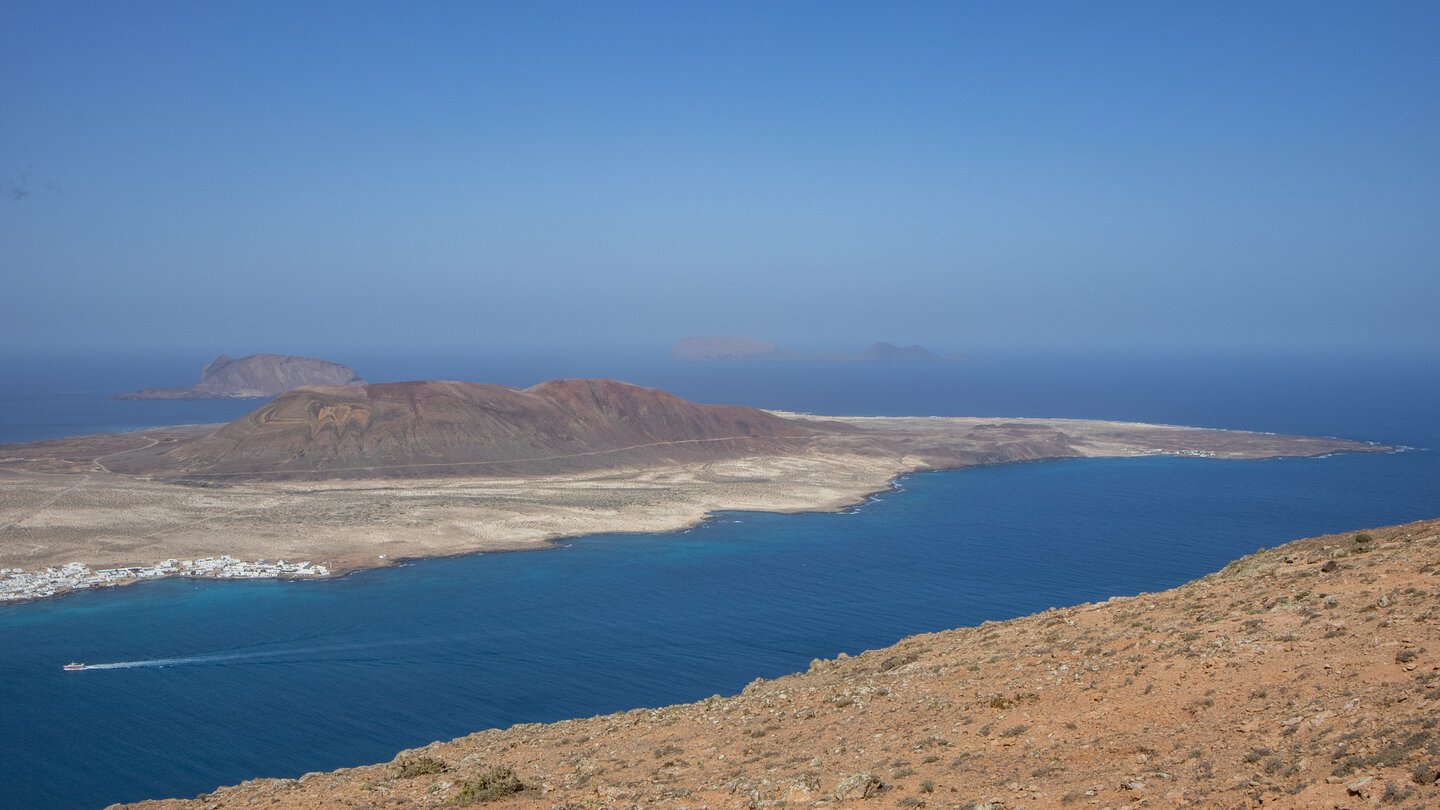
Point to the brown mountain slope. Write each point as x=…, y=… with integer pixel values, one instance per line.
x=1307, y=676
x=439, y=428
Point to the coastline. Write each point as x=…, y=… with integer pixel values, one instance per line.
x=59, y=504
x=19, y=585
x=502, y=531
x=1298, y=676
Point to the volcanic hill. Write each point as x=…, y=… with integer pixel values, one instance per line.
x=259, y=375
x=447, y=428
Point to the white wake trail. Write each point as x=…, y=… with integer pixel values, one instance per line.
x=189, y=659
x=297, y=653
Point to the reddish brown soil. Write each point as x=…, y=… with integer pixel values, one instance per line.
x=459, y=429
x=1307, y=676
x=434, y=427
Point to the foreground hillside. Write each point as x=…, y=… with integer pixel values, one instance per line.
x=1303, y=676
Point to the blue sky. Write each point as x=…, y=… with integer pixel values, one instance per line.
x=312, y=177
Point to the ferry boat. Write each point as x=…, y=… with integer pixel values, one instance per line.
x=72, y=666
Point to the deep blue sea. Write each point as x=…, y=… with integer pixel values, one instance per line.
x=227, y=681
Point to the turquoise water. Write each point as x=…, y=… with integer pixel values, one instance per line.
x=218, y=682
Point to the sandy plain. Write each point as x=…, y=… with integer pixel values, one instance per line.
x=59, y=502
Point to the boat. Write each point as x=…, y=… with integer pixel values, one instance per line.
x=72, y=666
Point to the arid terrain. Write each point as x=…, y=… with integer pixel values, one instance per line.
x=364, y=476
x=1305, y=676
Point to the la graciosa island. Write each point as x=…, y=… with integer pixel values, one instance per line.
x=338, y=478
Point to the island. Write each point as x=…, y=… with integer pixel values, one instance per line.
x=744, y=349
x=716, y=349
x=349, y=477
x=259, y=375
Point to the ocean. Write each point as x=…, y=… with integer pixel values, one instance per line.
x=211, y=683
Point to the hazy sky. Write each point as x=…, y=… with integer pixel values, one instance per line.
x=302, y=177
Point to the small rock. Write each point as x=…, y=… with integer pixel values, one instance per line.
x=1357, y=788
x=1330, y=566
x=858, y=786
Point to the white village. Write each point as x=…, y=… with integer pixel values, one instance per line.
x=16, y=584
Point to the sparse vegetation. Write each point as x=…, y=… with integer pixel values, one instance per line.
x=898, y=661
x=1394, y=794
x=1002, y=703
x=419, y=766
x=495, y=782
x=1047, y=770
x=1257, y=755
x=1425, y=773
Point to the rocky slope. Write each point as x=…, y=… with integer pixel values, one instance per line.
x=259, y=375
x=440, y=427
x=1306, y=676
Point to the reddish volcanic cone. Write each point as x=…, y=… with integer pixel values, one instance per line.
x=447, y=428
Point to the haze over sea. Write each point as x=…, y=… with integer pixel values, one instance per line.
x=214, y=683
